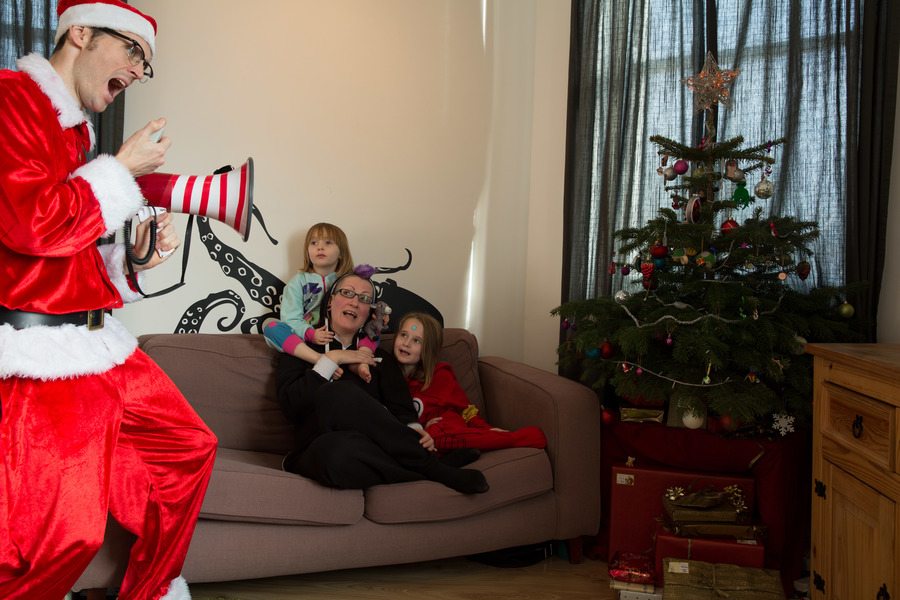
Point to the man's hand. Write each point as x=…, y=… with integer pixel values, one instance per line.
x=140, y=154
x=166, y=239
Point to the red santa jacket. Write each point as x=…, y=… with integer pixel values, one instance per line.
x=53, y=208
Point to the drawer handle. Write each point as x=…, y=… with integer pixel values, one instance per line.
x=857, y=427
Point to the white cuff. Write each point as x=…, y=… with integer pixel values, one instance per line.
x=116, y=190
x=325, y=367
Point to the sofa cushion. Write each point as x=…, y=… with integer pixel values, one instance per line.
x=229, y=379
x=514, y=474
x=251, y=487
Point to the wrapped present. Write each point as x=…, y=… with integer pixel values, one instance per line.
x=697, y=580
x=636, y=500
x=641, y=414
x=632, y=567
x=743, y=553
x=706, y=506
x=737, y=531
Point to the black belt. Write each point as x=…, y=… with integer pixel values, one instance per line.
x=20, y=319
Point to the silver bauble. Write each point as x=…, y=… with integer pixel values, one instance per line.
x=622, y=296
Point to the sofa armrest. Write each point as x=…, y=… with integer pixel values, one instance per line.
x=568, y=412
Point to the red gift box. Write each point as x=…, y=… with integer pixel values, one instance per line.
x=636, y=501
x=743, y=553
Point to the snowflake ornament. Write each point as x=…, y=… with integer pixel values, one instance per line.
x=783, y=424
x=711, y=84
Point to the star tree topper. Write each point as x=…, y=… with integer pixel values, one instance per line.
x=711, y=85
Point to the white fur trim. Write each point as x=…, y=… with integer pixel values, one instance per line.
x=99, y=14
x=178, y=590
x=67, y=108
x=66, y=351
x=114, y=258
x=116, y=190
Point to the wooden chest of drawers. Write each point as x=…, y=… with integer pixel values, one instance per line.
x=856, y=475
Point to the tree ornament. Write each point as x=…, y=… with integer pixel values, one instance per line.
x=731, y=167
x=692, y=420
x=706, y=259
x=846, y=310
x=692, y=210
x=593, y=353
x=679, y=255
x=738, y=176
x=803, y=269
x=565, y=324
x=650, y=283
x=639, y=371
x=669, y=174
x=680, y=167
x=626, y=269
x=728, y=225
x=612, y=265
x=647, y=269
x=607, y=350
x=764, y=189
x=741, y=196
x=711, y=85
x=622, y=296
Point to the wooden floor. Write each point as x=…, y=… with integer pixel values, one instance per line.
x=451, y=579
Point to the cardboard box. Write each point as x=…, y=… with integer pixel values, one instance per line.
x=636, y=500
x=656, y=594
x=694, y=579
x=743, y=553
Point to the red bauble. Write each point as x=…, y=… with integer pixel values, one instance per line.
x=649, y=283
x=659, y=251
x=728, y=225
x=607, y=350
x=681, y=167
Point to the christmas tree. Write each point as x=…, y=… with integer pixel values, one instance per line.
x=711, y=327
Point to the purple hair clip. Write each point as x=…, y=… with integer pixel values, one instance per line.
x=365, y=271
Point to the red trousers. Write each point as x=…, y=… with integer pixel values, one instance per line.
x=124, y=442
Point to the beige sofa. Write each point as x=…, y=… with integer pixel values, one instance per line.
x=258, y=521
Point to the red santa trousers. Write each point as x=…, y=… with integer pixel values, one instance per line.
x=125, y=441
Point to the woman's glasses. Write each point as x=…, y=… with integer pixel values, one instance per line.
x=364, y=298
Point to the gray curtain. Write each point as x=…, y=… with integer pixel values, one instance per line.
x=29, y=26
x=819, y=72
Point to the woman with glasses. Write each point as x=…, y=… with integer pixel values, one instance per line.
x=345, y=437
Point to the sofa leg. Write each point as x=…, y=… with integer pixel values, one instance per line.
x=575, y=552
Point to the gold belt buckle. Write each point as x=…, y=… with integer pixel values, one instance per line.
x=95, y=319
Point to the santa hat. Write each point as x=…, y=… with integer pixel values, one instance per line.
x=111, y=14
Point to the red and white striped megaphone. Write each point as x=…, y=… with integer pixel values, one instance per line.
x=226, y=197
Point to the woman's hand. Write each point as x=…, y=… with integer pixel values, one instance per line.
x=166, y=240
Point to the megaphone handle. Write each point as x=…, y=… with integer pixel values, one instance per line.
x=129, y=249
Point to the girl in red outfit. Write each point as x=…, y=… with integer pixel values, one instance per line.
x=444, y=410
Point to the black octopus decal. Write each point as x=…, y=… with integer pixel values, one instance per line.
x=266, y=289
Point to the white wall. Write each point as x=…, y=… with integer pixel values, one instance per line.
x=433, y=125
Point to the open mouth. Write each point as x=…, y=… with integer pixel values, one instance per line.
x=350, y=314
x=115, y=86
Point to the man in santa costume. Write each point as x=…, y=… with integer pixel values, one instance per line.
x=89, y=423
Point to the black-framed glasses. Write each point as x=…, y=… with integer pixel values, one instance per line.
x=364, y=298
x=135, y=53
